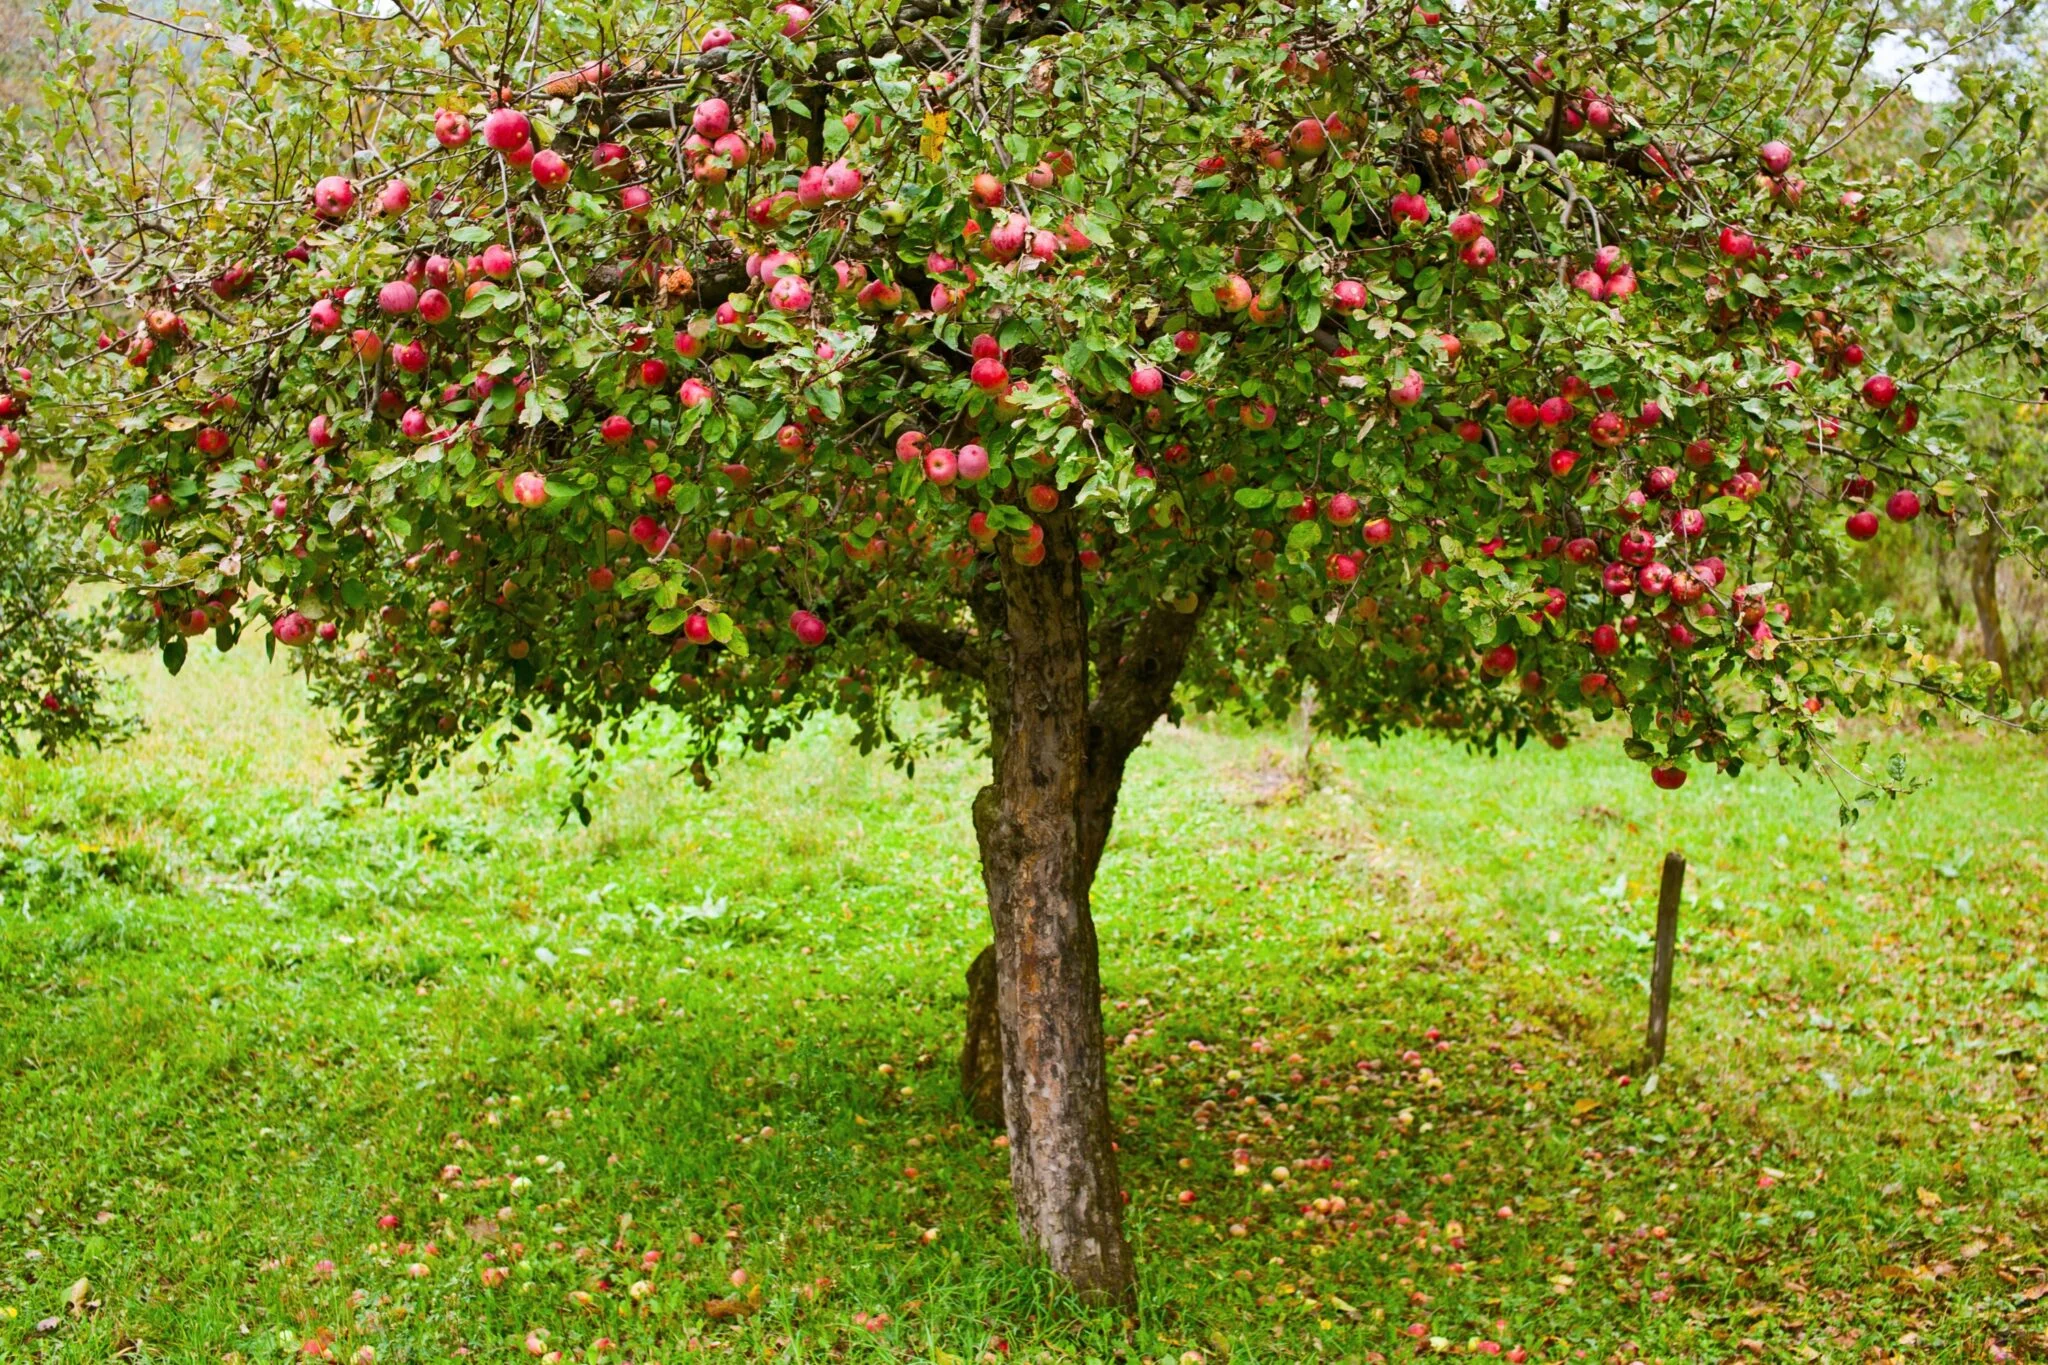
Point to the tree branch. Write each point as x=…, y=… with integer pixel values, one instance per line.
x=943, y=647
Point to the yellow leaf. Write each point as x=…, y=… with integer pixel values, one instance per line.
x=1581, y=1108
x=1929, y=1199
x=933, y=143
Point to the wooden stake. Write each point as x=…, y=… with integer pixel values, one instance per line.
x=1667, y=946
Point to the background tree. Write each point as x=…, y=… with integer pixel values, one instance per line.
x=53, y=692
x=1495, y=371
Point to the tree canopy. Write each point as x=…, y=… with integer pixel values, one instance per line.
x=1492, y=370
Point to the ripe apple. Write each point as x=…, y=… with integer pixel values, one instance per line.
x=1903, y=505
x=506, y=130
x=1308, y=138
x=987, y=190
x=550, y=170
x=694, y=393
x=808, y=628
x=1879, y=390
x=1234, y=295
x=1378, y=531
x=397, y=299
x=1467, y=228
x=1498, y=661
x=1147, y=380
x=790, y=294
x=1042, y=497
x=1670, y=779
x=530, y=489
x=616, y=429
x=1479, y=253
x=1862, y=525
x=324, y=317
x=1406, y=391
x=1737, y=244
x=1775, y=157
x=451, y=129
x=333, y=196
x=990, y=375
x=842, y=182
x=1409, y=208
x=712, y=119
x=435, y=308
x=229, y=283
x=498, y=262
x=1343, y=509
x=941, y=466
x=971, y=460
x=291, y=629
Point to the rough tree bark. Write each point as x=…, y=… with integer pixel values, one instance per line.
x=1057, y=761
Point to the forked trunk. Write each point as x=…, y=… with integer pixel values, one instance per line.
x=1032, y=1059
x=1063, y=1173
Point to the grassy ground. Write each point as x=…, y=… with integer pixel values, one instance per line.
x=285, y=1067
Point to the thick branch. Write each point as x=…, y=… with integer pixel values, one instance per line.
x=1133, y=691
x=942, y=647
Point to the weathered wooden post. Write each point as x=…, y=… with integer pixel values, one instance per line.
x=1667, y=947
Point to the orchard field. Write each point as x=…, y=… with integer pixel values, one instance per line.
x=291, y=1073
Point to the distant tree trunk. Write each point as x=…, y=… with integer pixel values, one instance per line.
x=1984, y=590
x=1058, y=760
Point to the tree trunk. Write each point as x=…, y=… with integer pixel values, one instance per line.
x=1033, y=1057
x=1984, y=591
x=1063, y=1174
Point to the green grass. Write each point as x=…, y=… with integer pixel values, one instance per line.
x=250, y=1012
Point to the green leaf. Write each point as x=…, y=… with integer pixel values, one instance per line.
x=1254, y=498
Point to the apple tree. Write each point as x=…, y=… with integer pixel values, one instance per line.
x=53, y=693
x=1499, y=371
